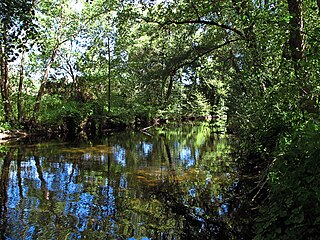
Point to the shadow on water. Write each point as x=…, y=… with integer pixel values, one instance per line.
x=173, y=182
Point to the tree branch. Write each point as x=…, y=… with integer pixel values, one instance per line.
x=207, y=52
x=198, y=21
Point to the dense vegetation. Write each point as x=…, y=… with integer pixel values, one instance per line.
x=103, y=62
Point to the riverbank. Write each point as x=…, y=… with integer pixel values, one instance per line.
x=90, y=128
x=12, y=135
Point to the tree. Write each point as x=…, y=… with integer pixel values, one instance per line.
x=17, y=26
x=59, y=26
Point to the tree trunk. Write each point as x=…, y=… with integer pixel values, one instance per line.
x=296, y=40
x=109, y=76
x=169, y=86
x=19, y=103
x=9, y=117
x=245, y=8
x=4, y=188
x=297, y=47
x=43, y=85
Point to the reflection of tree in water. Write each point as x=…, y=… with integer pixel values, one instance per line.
x=4, y=184
x=196, y=205
x=195, y=224
x=173, y=185
x=40, y=175
x=190, y=201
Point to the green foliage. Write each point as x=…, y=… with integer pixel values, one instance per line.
x=4, y=126
x=17, y=26
x=56, y=110
x=293, y=209
x=195, y=104
x=168, y=59
x=2, y=114
x=51, y=111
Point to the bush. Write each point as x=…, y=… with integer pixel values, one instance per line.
x=293, y=209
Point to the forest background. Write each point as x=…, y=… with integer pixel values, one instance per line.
x=90, y=65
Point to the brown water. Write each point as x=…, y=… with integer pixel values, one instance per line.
x=173, y=182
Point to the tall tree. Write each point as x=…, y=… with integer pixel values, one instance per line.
x=59, y=25
x=297, y=43
x=17, y=26
x=298, y=55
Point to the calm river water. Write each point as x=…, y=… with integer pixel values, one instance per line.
x=172, y=182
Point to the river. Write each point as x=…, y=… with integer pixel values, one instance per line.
x=172, y=182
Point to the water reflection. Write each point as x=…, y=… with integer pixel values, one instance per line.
x=171, y=183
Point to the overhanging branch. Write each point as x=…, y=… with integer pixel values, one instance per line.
x=209, y=50
x=197, y=21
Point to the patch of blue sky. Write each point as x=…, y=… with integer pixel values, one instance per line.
x=197, y=153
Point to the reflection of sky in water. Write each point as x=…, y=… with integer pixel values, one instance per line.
x=80, y=209
x=28, y=174
x=120, y=155
x=192, y=192
x=147, y=148
x=223, y=209
x=86, y=156
x=123, y=182
x=144, y=148
x=186, y=157
x=143, y=238
x=82, y=195
x=59, y=181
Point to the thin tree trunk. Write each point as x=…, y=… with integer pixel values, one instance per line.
x=19, y=103
x=169, y=91
x=43, y=85
x=109, y=76
x=19, y=177
x=244, y=8
x=44, y=185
